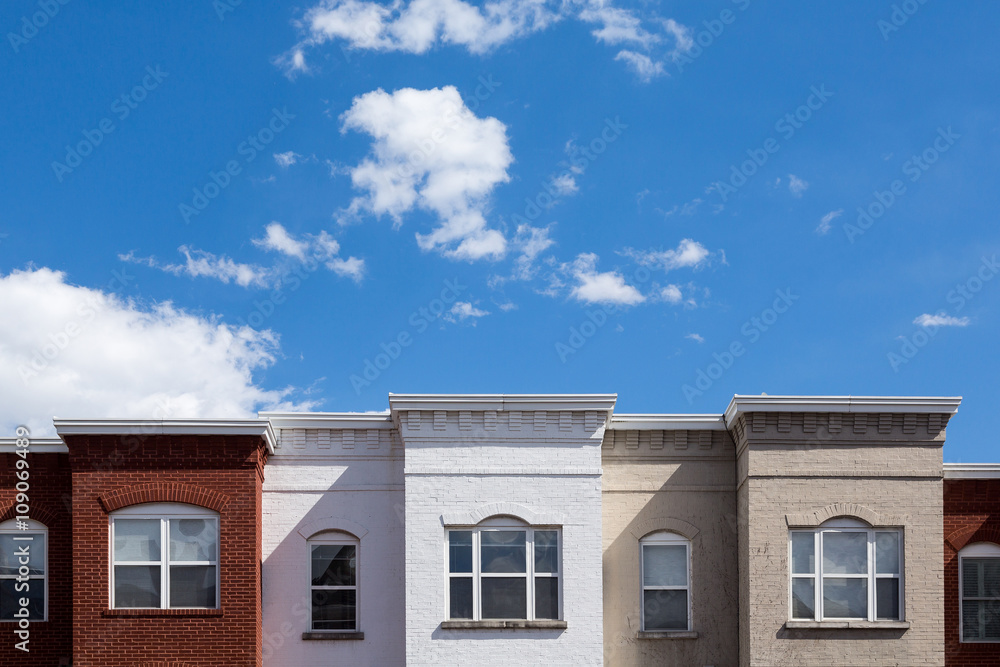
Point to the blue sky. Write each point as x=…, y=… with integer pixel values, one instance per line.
x=216, y=208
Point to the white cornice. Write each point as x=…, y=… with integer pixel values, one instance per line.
x=528, y=402
x=333, y=420
x=923, y=404
x=654, y=422
x=261, y=427
x=972, y=470
x=35, y=446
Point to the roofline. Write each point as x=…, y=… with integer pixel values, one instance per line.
x=35, y=446
x=914, y=404
x=665, y=422
x=357, y=420
x=503, y=402
x=261, y=427
x=972, y=470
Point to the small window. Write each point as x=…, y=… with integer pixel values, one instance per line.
x=666, y=575
x=502, y=570
x=979, y=590
x=844, y=570
x=333, y=581
x=23, y=568
x=164, y=556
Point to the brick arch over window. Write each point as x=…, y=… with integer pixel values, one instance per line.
x=660, y=523
x=163, y=492
x=525, y=514
x=970, y=534
x=846, y=511
x=38, y=512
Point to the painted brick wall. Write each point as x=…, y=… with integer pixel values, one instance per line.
x=226, y=468
x=971, y=514
x=49, y=499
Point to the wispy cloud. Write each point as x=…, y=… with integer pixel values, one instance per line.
x=824, y=222
x=695, y=337
x=688, y=254
x=287, y=159
x=644, y=67
x=941, y=320
x=796, y=185
x=531, y=242
x=464, y=310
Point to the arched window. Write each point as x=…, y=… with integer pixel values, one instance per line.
x=845, y=569
x=979, y=592
x=164, y=556
x=333, y=581
x=23, y=570
x=666, y=582
x=504, y=569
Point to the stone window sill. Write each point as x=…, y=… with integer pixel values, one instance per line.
x=503, y=625
x=847, y=625
x=672, y=634
x=330, y=634
x=147, y=613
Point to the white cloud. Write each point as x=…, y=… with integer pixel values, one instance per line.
x=531, y=242
x=286, y=159
x=279, y=239
x=618, y=26
x=683, y=39
x=607, y=287
x=565, y=184
x=688, y=254
x=202, y=264
x=695, y=337
x=941, y=320
x=75, y=351
x=796, y=185
x=463, y=310
x=672, y=294
x=352, y=268
x=431, y=152
x=643, y=66
x=824, y=222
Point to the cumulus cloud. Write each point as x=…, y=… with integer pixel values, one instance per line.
x=672, y=294
x=688, y=254
x=941, y=320
x=75, y=351
x=606, y=287
x=286, y=159
x=796, y=185
x=464, y=310
x=824, y=222
x=430, y=152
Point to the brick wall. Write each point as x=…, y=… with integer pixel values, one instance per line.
x=221, y=472
x=50, y=642
x=971, y=514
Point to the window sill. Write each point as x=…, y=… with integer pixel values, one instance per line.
x=671, y=634
x=185, y=613
x=847, y=625
x=332, y=634
x=503, y=625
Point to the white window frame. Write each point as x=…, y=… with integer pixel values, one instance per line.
x=818, y=576
x=502, y=524
x=979, y=550
x=335, y=538
x=34, y=528
x=664, y=538
x=164, y=512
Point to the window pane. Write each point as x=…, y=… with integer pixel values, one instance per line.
x=137, y=539
x=460, y=551
x=665, y=610
x=460, y=597
x=845, y=598
x=803, y=553
x=887, y=598
x=546, y=551
x=334, y=610
x=845, y=553
x=971, y=577
x=803, y=598
x=981, y=620
x=192, y=586
x=991, y=613
x=503, y=551
x=991, y=577
x=664, y=565
x=333, y=564
x=9, y=547
x=546, y=597
x=10, y=599
x=504, y=597
x=137, y=586
x=887, y=553
x=971, y=628
x=194, y=539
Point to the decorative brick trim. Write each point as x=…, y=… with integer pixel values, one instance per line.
x=972, y=534
x=163, y=492
x=37, y=512
x=165, y=663
x=151, y=613
x=847, y=510
x=656, y=524
x=521, y=512
x=332, y=523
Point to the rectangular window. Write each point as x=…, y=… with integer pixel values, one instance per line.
x=501, y=572
x=165, y=562
x=665, y=565
x=22, y=570
x=980, y=600
x=334, y=586
x=844, y=572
